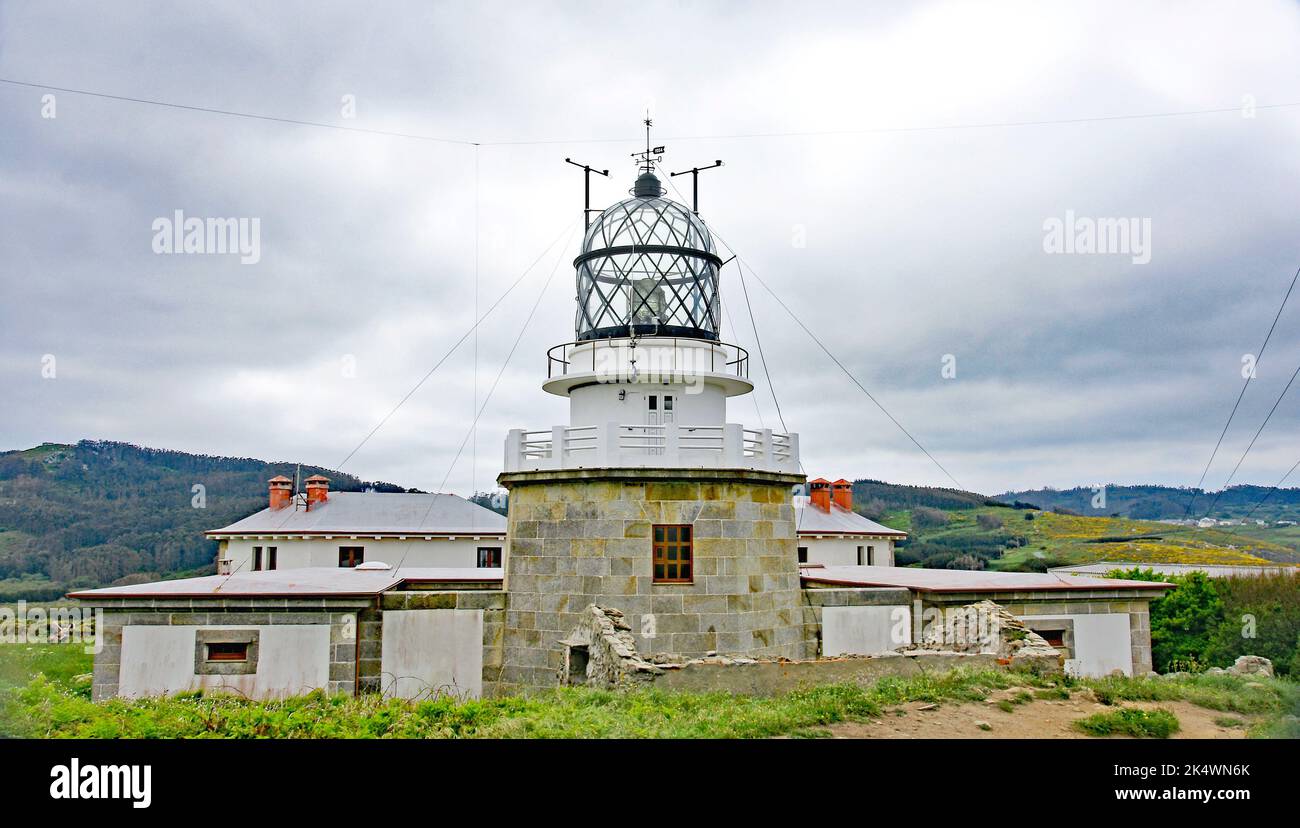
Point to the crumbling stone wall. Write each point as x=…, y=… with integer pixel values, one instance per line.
x=1027, y=604
x=601, y=652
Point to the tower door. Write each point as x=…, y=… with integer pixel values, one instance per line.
x=661, y=409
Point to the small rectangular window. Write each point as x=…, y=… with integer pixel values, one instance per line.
x=668, y=403
x=271, y=556
x=350, y=556
x=257, y=559
x=489, y=557
x=803, y=554
x=228, y=651
x=862, y=556
x=871, y=556
x=654, y=402
x=673, y=554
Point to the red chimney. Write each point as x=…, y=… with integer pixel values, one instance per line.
x=819, y=493
x=318, y=489
x=842, y=494
x=281, y=491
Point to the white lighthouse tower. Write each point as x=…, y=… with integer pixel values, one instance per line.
x=647, y=375
x=648, y=501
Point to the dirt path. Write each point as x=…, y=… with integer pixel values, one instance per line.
x=1037, y=719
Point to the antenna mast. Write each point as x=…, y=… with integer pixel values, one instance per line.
x=586, y=182
x=695, y=183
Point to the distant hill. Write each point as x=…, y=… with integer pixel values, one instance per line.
x=94, y=513
x=1166, y=502
x=874, y=498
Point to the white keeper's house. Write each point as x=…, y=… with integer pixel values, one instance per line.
x=346, y=529
x=830, y=533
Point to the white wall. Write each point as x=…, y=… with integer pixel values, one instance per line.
x=842, y=550
x=428, y=653
x=1101, y=643
x=865, y=630
x=599, y=404
x=292, y=659
x=295, y=553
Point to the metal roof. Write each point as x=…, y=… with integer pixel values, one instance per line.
x=1212, y=570
x=964, y=580
x=809, y=520
x=302, y=582
x=373, y=513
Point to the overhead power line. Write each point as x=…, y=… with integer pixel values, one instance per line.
x=473, y=426
x=236, y=114
x=1251, y=445
x=741, y=262
x=1242, y=393
x=454, y=346
x=1007, y=124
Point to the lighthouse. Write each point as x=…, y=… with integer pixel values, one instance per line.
x=649, y=500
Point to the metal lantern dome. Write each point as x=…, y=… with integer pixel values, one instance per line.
x=647, y=268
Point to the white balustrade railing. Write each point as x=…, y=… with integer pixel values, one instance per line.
x=615, y=445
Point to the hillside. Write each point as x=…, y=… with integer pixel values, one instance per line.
x=94, y=513
x=956, y=529
x=1003, y=538
x=1167, y=502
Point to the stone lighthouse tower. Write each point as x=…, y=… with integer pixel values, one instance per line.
x=648, y=500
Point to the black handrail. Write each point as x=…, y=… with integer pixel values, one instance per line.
x=741, y=361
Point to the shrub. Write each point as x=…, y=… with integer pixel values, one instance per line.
x=1130, y=721
x=923, y=517
x=1261, y=616
x=1183, y=620
x=988, y=521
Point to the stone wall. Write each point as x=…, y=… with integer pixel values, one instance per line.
x=582, y=537
x=1028, y=604
x=356, y=628
x=600, y=652
x=493, y=604
x=816, y=600
x=344, y=617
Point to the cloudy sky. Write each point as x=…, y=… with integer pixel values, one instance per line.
x=864, y=183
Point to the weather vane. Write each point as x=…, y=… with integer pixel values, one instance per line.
x=646, y=160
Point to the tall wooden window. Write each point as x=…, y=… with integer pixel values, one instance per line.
x=489, y=557
x=673, y=554
x=271, y=556
x=350, y=556
x=257, y=559
x=803, y=554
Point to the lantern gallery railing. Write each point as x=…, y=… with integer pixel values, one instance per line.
x=652, y=356
x=729, y=446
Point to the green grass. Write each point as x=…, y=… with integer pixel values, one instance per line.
x=41, y=695
x=46, y=707
x=58, y=663
x=1130, y=721
x=1225, y=693
x=1229, y=721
